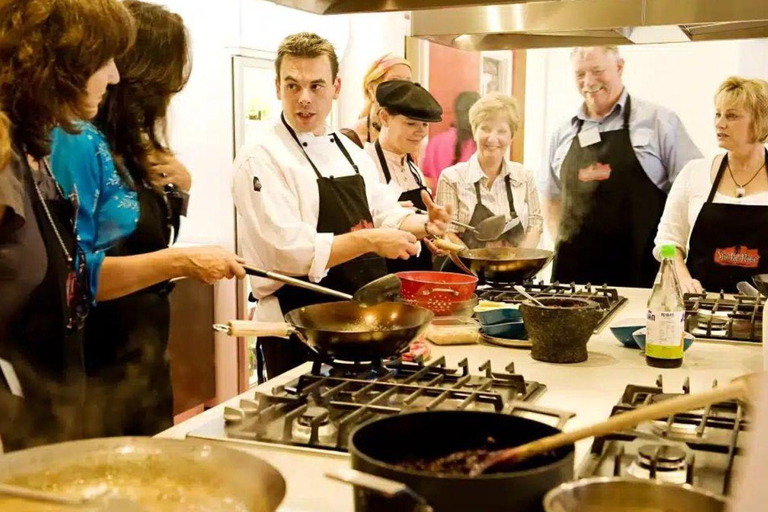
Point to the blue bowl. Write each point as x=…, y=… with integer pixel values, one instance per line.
x=499, y=316
x=623, y=330
x=508, y=330
x=639, y=336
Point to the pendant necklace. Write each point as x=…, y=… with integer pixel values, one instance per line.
x=741, y=190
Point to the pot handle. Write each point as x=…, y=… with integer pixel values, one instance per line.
x=259, y=329
x=384, y=486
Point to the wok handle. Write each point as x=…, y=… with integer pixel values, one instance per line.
x=254, y=271
x=383, y=486
x=241, y=328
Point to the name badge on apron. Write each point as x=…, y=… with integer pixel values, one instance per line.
x=589, y=137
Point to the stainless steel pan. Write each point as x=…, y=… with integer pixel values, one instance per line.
x=345, y=330
x=505, y=264
x=158, y=475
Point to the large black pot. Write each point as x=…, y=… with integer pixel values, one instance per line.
x=377, y=446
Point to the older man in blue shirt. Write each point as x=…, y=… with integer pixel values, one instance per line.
x=610, y=168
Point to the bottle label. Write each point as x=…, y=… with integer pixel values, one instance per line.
x=664, y=334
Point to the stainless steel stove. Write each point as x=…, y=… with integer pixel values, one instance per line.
x=608, y=299
x=725, y=317
x=321, y=408
x=697, y=447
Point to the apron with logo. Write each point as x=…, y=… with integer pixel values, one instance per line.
x=729, y=242
x=611, y=211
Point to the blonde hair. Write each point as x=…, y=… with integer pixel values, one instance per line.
x=492, y=105
x=752, y=95
x=5, y=141
x=375, y=75
x=306, y=45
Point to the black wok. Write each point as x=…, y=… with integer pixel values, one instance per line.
x=505, y=264
x=345, y=330
x=379, y=446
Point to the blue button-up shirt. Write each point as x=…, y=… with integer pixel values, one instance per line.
x=660, y=141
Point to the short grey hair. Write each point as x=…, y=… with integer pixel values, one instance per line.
x=492, y=105
x=579, y=51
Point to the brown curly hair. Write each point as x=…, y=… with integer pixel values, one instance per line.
x=133, y=114
x=48, y=51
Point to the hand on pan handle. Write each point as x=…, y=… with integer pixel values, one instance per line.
x=391, y=243
x=439, y=216
x=210, y=264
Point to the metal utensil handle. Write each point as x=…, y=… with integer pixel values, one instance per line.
x=519, y=289
x=383, y=486
x=240, y=328
x=37, y=495
x=294, y=282
x=454, y=222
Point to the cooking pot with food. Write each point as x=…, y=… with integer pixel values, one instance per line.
x=155, y=475
x=400, y=448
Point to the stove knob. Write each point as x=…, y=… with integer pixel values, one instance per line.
x=249, y=407
x=233, y=415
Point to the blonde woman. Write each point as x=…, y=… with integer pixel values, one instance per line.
x=489, y=183
x=384, y=69
x=717, y=211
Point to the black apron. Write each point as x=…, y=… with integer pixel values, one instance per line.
x=424, y=260
x=481, y=212
x=45, y=345
x=609, y=219
x=343, y=208
x=729, y=242
x=126, y=339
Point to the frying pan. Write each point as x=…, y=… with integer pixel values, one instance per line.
x=345, y=330
x=505, y=264
x=145, y=470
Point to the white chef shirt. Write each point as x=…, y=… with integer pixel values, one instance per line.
x=688, y=194
x=279, y=221
x=403, y=179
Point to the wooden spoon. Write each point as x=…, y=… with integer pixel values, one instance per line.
x=740, y=388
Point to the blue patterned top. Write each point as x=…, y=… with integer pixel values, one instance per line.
x=109, y=210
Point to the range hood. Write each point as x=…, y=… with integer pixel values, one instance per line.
x=473, y=25
x=591, y=22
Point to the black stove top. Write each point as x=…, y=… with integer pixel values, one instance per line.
x=608, y=299
x=697, y=447
x=321, y=408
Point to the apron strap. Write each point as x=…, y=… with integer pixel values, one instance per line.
x=414, y=172
x=477, y=193
x=382, y=161
x=301, y=147
x=512, y=211
x=718, y=177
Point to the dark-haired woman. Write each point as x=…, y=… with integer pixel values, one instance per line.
x=454, y=145
x=133, y=211
x=56, y=60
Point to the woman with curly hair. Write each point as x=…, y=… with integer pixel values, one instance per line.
x=56, y=60
x=129, y=217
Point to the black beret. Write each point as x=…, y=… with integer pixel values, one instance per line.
x=409, y=99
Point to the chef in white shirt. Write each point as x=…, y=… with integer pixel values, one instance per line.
x=310, y=202
x=406, y=111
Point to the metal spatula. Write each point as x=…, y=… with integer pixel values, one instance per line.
x=383, y=289
x=491, y=228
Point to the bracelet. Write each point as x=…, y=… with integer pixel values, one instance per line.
x=426, y=228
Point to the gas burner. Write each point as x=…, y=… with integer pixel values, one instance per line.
x=313, y=417
x=661, y=462
x=724, y=317
x=321, y=408
x=695, y=447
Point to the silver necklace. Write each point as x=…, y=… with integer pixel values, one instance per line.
x=741, y=190
x=47, y=211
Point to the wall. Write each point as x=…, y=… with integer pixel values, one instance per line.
x=683, y=77
x=201, y=115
